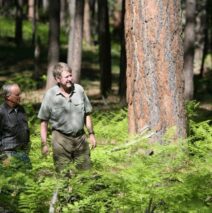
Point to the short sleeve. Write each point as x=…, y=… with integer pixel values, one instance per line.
x=44, y=111
x=88, y=107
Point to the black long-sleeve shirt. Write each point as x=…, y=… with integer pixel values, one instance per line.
x=14, y=130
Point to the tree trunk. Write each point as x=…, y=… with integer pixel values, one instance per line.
x=46, y=4
x=116, y=21
x=30, y=9
x=104, y=48
x=75, y=38
x=54, y=37
x=94, y=17
x=19, y=22
x=154, y=67
x=199, y=34
x=122, y=76
x=35, y=42
x=207, y=37
x=189, y=40
x=87, y=24
x=33, y=19
x=63, y=13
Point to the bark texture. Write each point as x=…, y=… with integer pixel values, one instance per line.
x=54, y=37
x=19, y=22
x=122, y=76
x=76, y=9
x=104, y=48
x=189, y=41
x=154, y=49
x=87, y=23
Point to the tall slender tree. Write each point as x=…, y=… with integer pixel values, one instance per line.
x=87, y=23
x=63, y=12
x=54, y=37
x=76, y=9
x=19, y=22
x=104, y=48
x=155, y=67
x=189, y=41
x=94, y=19
x=122, y=76
x=45, y=4
x=207, y=47
x=30, y=9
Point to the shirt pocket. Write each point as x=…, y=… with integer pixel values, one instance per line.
x=79, y=106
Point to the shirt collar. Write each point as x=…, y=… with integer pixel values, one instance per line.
x=58, y=92
x=9, y=109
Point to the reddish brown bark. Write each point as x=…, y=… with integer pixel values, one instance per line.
x=154, y=66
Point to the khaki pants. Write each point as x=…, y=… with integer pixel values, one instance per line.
x=68, y=149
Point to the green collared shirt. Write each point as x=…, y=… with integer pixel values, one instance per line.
x=66, y=115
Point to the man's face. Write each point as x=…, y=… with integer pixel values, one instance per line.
x=65, y=80
x=14, y=96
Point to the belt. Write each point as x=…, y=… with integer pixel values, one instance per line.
x=73, y=134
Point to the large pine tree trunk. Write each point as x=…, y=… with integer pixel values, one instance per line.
x=154, y=66
x=189, y=40
x=104, y=48
x=54, y=37
x=76, y=9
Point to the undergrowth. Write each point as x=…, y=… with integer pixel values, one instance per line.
x=125, y=177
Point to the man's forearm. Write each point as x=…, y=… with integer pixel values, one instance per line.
x=43, y=132
x=89, y=124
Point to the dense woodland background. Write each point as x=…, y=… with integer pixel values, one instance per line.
x=147, y=69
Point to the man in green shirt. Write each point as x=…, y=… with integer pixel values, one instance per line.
x=68, y=109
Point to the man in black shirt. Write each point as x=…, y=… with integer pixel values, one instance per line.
x=14, y=130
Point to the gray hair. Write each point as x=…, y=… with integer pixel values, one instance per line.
x=6, y=89
x=59, y=68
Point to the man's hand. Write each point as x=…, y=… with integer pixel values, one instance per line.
x=45, y=149
x=92, y=141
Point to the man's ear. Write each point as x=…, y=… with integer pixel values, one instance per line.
x=57, y=79
x=7, y=97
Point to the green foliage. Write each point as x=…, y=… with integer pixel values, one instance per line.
x=111, y=126
x=170, y=180
x=175, y=178
x=7, y=27
x=25, y=80
x=191, y=109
